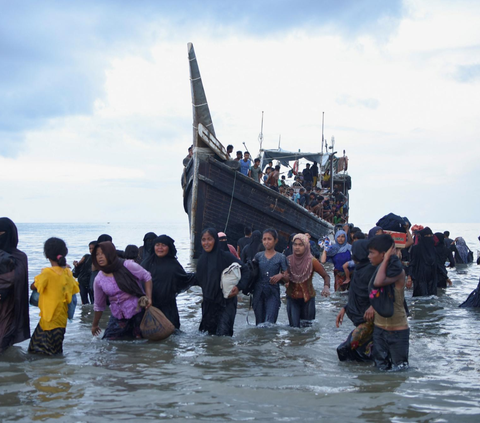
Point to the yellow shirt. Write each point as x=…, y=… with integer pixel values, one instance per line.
x=56, y=287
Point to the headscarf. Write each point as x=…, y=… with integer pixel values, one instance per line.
x=372, y=232
x=168, y=275
x=462, y=249
x=20, y=327
x=338, y=248
x=148, y=244
x=300, y=267
x=253, y=247
x=426, y=246
x=210, y=267
x=8, y=240
x=223, y=242
x=125, y=280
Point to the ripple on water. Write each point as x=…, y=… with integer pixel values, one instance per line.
x=261, y=374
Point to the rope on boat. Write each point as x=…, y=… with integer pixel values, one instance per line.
x=275, y=206
x=231, y=202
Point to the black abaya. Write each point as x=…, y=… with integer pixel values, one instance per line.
x=424, y=265
x=168, y=280
x=218, y=313
x=14, y=316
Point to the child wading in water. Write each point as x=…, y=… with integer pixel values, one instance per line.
x=56, y=287
x=272, y=268
x=390, y=334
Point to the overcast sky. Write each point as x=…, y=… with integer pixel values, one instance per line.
x=95, y=107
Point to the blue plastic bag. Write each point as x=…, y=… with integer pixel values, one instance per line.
x=72, y=306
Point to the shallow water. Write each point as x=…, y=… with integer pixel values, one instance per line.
x=262, y=374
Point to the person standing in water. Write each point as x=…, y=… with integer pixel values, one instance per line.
x=82, y=270
x=338, y=254
x=56, y=287
x=14, y=317
x=357, y=346
x=168, y=277
x=272, y=269
x=218, y=312
x=300, y=290
x=121, y=281
x=390, y=334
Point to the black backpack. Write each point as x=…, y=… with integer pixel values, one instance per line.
x=253, y=268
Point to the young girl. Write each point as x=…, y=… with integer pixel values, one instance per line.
x=56, y=287
x=272, y=268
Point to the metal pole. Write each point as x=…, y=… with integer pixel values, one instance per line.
x=260, y=137
x=323, y=122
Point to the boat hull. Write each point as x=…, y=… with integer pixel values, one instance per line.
x=215, y=195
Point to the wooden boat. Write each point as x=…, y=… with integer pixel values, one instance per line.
x=217, y=195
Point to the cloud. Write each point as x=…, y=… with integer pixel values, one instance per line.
x=346, y=100
x=468, y=73
x=55, y=54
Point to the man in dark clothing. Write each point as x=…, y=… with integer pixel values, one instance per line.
x=447, y=240
x=307, y=176
x=244, y=240
x=82, y=271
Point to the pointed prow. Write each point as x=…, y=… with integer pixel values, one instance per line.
x=201, y=112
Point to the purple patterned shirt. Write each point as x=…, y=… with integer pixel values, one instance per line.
x=122, y=305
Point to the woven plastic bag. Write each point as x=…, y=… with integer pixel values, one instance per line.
x=155, y=326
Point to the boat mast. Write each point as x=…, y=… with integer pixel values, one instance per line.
x=200, y=110
x=201, y=115
x=323, y=121
x=260, y=137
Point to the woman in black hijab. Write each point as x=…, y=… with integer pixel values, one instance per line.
x=168, y=277
x=218, y=313
x=424, y=265
x=357, y=347
x=253, y=247
x=14, y=317
x=147, y=248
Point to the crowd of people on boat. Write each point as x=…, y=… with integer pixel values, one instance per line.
x=310, y=188
x=371, y=266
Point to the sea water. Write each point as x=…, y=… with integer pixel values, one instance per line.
x=272, y=373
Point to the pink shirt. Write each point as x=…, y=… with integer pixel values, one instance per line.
x=122, y=305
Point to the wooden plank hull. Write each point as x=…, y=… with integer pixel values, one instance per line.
x=220, y=197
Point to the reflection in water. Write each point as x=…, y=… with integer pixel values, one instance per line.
x=263, y=374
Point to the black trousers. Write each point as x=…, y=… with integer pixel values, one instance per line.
x=390, y=348
x=298, y=309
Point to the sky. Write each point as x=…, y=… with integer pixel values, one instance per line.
x=95, y=106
